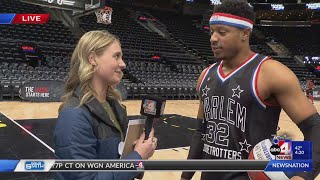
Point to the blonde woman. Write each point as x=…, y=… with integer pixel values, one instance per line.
x=92, y=122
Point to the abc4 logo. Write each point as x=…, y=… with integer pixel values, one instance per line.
x=281, y=147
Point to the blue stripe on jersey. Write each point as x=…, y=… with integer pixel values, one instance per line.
x=253, y=87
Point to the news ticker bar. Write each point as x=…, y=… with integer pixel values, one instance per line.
x=24, y=18
x=37, y=165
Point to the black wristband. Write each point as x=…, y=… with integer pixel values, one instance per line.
x=310, y=128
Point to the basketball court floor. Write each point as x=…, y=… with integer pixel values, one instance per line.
x=20, y=118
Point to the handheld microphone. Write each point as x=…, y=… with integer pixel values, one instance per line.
x=153, y=108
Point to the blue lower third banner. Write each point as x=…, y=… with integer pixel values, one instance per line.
x=289, y=165
x=301, y=150
x=6, y=18
x=51, y=165
x=8, y=165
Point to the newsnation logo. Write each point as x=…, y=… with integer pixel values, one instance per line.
x=24, y=18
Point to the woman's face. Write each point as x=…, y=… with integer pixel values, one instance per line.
x=110, y=64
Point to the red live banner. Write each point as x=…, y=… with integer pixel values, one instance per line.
x=30, y=18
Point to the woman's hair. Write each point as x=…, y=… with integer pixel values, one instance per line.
x=81, y=71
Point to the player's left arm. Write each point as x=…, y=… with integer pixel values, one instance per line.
x=282, y=84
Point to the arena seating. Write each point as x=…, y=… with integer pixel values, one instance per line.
x=300, y=41
x=200, y=42
x=130, y=32
x=186, y=32
x=155, y=65
x=52, y=32
x=259, y=45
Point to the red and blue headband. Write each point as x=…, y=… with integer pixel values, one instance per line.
x=231, y=20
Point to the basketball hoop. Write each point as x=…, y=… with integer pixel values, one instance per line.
x=104, y=15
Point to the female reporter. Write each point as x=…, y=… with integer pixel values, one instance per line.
x=92, y=121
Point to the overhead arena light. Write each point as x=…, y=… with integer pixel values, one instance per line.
x=313, y=6
x=277, y=7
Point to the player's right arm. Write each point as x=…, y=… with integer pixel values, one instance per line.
x=196, y=146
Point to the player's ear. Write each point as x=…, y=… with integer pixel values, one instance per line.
x=246, y=34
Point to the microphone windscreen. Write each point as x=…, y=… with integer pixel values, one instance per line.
x=152, y=106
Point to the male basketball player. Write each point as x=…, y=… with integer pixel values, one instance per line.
x=242, y=95
x=309, y=89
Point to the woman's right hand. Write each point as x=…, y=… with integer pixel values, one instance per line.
x=146, y=148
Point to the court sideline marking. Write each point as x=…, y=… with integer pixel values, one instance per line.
x=34, y=136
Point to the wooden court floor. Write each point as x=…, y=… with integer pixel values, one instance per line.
x=25, y=110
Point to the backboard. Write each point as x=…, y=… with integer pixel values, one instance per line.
x=78, y=5
x=90, y=6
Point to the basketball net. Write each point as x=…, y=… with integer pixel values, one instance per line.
x=104, y=15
